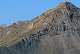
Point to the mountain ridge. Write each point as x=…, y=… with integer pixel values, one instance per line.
x=54, y=32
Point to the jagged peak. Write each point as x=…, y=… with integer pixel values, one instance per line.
x=67, y=5
x=31, y=28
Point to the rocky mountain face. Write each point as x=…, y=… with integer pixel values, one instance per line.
x=56, y=31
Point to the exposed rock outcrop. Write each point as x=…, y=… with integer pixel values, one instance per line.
x=56, y=31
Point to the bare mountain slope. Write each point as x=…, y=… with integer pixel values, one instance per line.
x=56, y=31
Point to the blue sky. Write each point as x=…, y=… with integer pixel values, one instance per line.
x=15, y=10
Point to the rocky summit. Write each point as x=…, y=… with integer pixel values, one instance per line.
x=56, y=31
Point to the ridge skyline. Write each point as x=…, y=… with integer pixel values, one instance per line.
x=9, y=16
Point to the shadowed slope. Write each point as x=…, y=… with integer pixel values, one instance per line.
x=54, y=32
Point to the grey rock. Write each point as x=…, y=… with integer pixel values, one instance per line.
x=59, y=33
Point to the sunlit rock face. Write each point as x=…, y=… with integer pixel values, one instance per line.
x=56, y=31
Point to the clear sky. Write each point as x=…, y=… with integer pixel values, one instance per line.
x=15, y=10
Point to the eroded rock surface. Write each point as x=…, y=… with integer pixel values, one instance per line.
x=56, y=31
